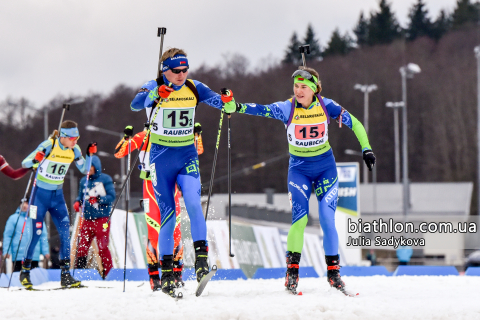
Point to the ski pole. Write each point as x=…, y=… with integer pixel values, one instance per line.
x=229, y=191
x=126, y=211
x=214, y=164
x=85, y=188
x=303, y=49
x=16, y=223
x=105, y=225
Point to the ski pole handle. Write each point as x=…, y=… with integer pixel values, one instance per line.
x=304, y=49
x=160, y=33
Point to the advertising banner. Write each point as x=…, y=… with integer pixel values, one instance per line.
x=135, y=257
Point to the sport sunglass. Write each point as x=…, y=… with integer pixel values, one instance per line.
x=73, y=138
x=177, y=71
x=304, y=74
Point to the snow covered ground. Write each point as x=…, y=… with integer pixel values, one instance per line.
x=451, y=297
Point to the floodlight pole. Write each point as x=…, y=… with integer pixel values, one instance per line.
x=477, y=55
x=366, y=89
x=406, y=71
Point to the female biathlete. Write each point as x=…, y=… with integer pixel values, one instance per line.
x=306, y=117
x=173, y=157
x=53, y=157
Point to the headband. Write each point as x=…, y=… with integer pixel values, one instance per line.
x=306, y=78
x=179, y=60
x=69, y=132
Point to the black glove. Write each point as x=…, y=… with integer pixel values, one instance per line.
x=369, y=159
x=198, y=128
x=128, y=131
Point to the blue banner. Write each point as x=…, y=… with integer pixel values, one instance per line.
x=348, y=187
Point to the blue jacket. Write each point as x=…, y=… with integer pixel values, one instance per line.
x=95, y=182
x=404, y=253
x=12, y=232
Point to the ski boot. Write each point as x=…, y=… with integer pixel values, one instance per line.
x=291, y=276
x=154, y=277
x=177, y=273
x=201, y=259
x=66, y=279
x=25, y=274
x=168, y=280
x=333, y=272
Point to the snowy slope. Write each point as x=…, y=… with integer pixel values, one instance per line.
x=452, y=297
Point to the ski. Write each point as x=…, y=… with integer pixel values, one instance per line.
x=203, y=282
x=348, y=293
x=59, y=288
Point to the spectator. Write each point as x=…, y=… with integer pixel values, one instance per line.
x=100, y=194
x=11, y=236
x=404, y=253
x=372, y=257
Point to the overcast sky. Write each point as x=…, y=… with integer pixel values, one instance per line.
x=75, y=47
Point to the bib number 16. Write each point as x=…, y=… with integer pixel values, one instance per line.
x=55, y=168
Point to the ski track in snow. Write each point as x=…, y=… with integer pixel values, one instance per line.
x=451, y=297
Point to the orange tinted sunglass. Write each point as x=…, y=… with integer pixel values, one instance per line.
x=73, y=138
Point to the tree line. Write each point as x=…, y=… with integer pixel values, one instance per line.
x=382, y=27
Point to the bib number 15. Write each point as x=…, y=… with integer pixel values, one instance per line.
x=177, y=118
x=315, y=131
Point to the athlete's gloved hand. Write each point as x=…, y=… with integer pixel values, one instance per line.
x=93, y=200
x=39, y=157
x=198, y=128
x=92, y=148
x=164, y=91
x=369, y=159
x=76, y=206
x=128, y=131
x=229, y=105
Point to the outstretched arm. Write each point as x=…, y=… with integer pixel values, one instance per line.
x=278, y=110
x=15, y=174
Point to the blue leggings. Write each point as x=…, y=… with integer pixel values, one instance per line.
x=53, y=202
x=167, y=166
x=301, y=175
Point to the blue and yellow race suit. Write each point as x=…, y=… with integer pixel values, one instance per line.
x=311, y=162
x=173, y=156
x=48, y=193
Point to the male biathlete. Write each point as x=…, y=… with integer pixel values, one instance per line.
x=306, y=117
x=53, y=158
x=173, y=157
